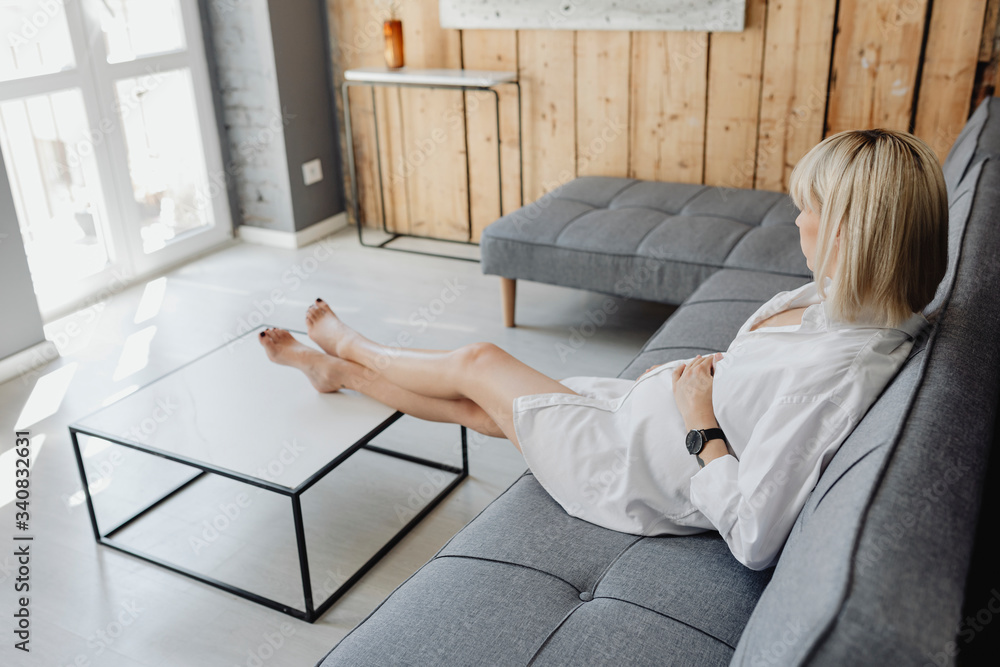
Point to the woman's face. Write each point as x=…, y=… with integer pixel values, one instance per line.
x=808, y=224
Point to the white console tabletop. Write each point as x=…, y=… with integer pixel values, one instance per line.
x=450, y=78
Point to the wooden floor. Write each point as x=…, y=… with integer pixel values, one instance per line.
x=92, y=605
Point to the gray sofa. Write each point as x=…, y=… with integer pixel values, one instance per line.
x=876, y=567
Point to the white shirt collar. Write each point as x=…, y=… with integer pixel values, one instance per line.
x=822, y=318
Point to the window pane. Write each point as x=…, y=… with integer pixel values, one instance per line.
x=165, y=154
x=37, y=39
x=49, y=154
x=137, y=28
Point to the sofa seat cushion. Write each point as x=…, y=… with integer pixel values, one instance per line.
x=642, y=239
x=527, y=581
x=709, y=319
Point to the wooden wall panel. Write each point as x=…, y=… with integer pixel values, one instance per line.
x=949, y=72
x=722, y=109
x=433, y=120
x=735, y=67
x=491, y=50
x=546, y=59
x=355, y=28
x=875, y=61
x=667, y=126
x=797, y=50
x=389, y=103
x=602, y=97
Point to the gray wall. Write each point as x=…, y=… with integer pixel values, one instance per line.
x=302, y=65
x=272, y=63
x=20, y=321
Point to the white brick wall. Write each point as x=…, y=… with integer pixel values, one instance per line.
x=252, y=112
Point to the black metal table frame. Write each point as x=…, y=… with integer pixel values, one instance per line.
x=312, y=612
x=352, y=167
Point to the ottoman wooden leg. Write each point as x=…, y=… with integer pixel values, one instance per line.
x=507, y=286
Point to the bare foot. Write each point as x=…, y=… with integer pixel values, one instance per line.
x=325, y=373
x=326, y=329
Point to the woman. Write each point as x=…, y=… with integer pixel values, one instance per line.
x=730, y=442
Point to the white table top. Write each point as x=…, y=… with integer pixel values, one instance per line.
x=235, y=410
x=430, y=77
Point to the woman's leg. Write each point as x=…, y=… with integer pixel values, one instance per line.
x=482, y=372
x=328, y=373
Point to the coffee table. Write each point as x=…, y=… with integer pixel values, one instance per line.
x=230, y=413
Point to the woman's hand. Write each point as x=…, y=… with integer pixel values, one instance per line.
x=692, y=384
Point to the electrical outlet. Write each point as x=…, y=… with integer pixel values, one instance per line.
x=312, y=171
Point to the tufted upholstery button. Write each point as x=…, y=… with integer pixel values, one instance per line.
x=586, y=596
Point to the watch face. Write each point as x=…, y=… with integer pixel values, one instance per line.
x=694, y=442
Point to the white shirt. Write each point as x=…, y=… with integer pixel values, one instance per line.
x=786, y=398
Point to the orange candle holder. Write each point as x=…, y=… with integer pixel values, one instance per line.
x=393, y=31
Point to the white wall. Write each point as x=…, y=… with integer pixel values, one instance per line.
x=20, y=321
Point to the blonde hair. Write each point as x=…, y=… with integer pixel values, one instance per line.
x=884, y=193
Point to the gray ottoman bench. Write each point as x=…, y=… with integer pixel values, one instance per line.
x=641, y=239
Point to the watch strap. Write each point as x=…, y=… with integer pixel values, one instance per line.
x=714, y=434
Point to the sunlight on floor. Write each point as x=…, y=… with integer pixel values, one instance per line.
x=135, y=353
x=152, y=300
x=47, y=396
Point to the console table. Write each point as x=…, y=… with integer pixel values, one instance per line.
x=452, y=79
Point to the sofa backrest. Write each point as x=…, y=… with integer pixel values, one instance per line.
x=875, y=567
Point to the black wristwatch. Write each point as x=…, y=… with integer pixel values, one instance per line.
x=697, y=438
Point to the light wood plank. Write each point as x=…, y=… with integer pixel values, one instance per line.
x=797, y=52
x=667, y=128
x=949, y=72
x=989, y=30
x=389, y=103
x=491, y=50
x=356, y=39
x=602, y=98
x=433, y=165
x=548, y=111
x=736, y=62
x=875, y=64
